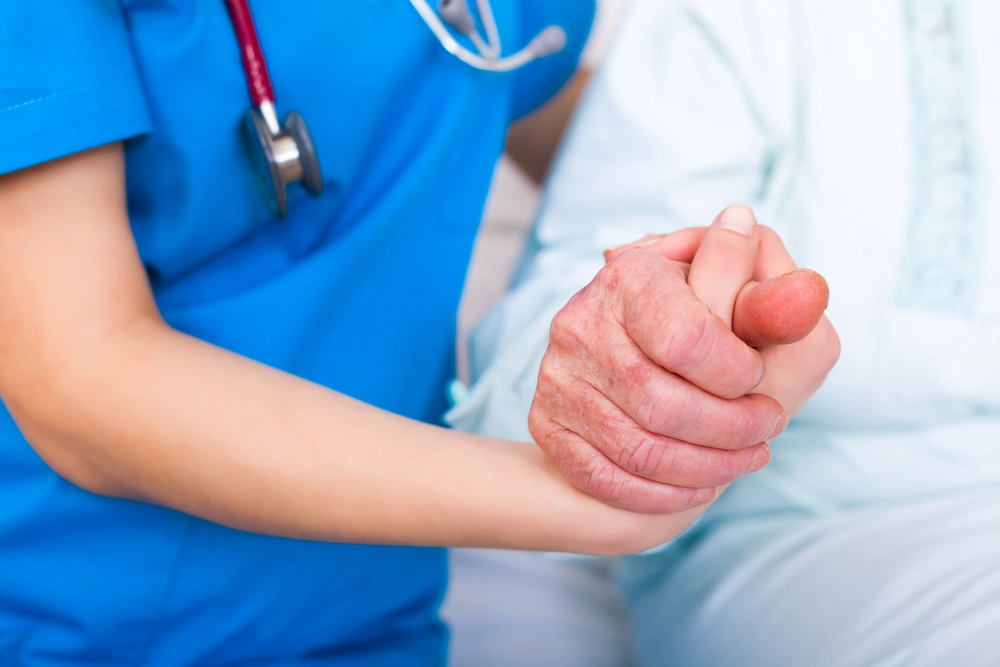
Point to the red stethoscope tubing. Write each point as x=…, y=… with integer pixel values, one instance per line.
x=258, y=80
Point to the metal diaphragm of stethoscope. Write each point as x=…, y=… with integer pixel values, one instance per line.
x=284, y=154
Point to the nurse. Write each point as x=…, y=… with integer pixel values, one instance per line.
x=264, y=389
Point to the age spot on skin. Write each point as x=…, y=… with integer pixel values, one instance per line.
x=637, y=374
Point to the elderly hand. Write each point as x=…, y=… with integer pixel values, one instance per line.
x=646, y=397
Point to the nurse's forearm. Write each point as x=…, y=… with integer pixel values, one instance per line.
x=119, y=403
x=154, y=415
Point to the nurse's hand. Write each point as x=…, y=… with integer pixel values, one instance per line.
x=646, y=397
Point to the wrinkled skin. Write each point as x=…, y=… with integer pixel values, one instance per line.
x=668, y=374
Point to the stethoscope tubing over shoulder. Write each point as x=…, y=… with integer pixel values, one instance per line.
x=284, y=154
x=457, y=14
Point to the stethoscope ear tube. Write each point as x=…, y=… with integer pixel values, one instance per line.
x=456, y=13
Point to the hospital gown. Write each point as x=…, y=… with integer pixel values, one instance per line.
x=866, y=134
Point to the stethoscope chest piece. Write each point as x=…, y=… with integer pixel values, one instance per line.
x=282, y=157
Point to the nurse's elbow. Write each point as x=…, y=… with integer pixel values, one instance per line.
x=80, y=472
x=65, y=454
x=54, y=408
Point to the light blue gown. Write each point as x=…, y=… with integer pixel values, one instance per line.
x=865, y=134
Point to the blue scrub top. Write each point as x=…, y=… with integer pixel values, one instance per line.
x=356, y=290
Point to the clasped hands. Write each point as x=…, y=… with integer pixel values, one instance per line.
x=666, y=377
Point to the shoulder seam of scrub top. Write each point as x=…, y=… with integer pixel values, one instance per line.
x=108, y=110
x=68, y=91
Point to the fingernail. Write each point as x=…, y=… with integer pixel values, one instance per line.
x=808, y=272
x=761, y=458
x=705, y=496
x=737, y=218
x=760, y=378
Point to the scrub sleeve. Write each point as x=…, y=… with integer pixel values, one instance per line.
x=62, y=90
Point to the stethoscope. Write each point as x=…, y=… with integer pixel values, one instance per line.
x=283, y=154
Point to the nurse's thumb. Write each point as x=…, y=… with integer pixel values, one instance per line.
x=782, y=310
x=725, y=260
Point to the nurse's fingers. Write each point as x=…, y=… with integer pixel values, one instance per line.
x=787, y=303
x=773, y=258
x=782, y=310
x=796, y=371
x=725, y=260
x=679, y=246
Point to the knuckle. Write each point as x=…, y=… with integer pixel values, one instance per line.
x=602, y=479
x=666, y=411
x=629, y=258
x=596, y=478
x=574, y=323
x=590, y=472
x=645, y=455
x=649, y=409
x=559, y=445
x=635, y=270
x=541, y=416
x=610, y=277
x=563, y=389
x=564, y=326
x=538, y=422
x=617, y=276
x=549, y=375
x=753, y=417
